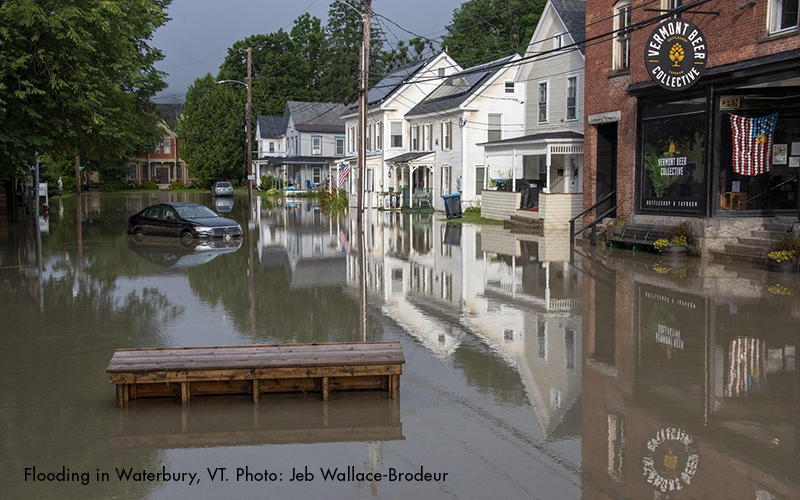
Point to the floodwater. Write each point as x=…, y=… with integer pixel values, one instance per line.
x=528, y=375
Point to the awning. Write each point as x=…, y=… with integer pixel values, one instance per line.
x=410, y=157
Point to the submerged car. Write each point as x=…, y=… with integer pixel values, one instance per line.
x=222, y=188
x=184, y=220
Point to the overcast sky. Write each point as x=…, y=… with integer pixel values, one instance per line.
x=197, y=38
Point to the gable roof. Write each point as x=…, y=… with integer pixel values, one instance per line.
x=459, y=87
x=573, y=14
x=391, y=83
x=270, y=127
x=314, y=116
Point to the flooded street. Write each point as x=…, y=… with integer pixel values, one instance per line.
x=528, y=374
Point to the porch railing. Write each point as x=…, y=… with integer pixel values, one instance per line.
x=422, y=198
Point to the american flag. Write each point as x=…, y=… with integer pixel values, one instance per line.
x=344, y=171
x=752, y=143
x=343, y=241
x=746, y=372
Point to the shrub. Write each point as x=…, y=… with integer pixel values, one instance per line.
x=272, y=192
x=333, y=202
x=149, y=185
x=267, y=182
x=789, y=243
x=177, y=185
x=472, y=210
x=111, y=186
x=130, y=185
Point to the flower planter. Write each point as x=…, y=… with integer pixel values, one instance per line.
x=785, y=266
x=676, y=252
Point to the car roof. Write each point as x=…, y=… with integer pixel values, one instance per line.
x=180, y=204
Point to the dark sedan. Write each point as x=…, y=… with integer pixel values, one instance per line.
x=185, y=220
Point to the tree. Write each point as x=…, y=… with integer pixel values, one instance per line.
x=485, y=30
x=212, y=130
x=406, y=53
x=77, y=76
x=344, y=33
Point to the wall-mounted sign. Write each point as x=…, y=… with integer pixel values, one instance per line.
x=676, y=54
x=670, y=460
x=728, y=102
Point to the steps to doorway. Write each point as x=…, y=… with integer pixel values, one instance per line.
x=755, y=246
x=523, y=225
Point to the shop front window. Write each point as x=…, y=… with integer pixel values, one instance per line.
x=760, y=155
x=672, y=161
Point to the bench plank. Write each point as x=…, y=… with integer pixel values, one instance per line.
x=264, y=368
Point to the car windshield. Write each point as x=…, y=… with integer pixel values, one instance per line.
x=195, y=212
x=223, y=184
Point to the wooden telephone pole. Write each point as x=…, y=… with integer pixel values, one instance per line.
x=362, y=168
x=247, y=130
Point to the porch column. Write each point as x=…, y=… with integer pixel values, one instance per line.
x=548, y=162
x=411, y=171
x=514, y=170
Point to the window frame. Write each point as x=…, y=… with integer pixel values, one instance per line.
x=314, y=151
x=480, y=179
x=546, y=103
x=393, y=136
x=558, y=40
x=566, y=99
x=506, y=87
x=774, y=17
x=489, y=129
x=447, y=135
x=337, y=142
x=427, y=137
x=621, y=53
x=449, y=170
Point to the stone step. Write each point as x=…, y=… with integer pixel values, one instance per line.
x=757, y=242
x=745, y=250
x=786, y=219
x=725, y=255
x=526, y=220
x=773, y=226
x=767, y=235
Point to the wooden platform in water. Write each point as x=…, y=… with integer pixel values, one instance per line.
x=259, y=369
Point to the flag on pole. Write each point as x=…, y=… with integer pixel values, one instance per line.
x=344, y=171
x=752, y=143
x=343, y=241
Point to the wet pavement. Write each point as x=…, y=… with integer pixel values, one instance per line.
x=529, y=375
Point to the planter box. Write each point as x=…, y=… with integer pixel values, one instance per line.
x=785, y=266
x=675, y=252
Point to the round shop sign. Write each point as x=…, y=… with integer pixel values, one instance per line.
x=676, y=54
x=670, y=460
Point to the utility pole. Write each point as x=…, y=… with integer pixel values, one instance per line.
x=247, y=130
x=362, y=169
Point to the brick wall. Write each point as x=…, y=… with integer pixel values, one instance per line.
x=736, y=34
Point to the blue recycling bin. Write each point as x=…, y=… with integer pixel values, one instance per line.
x=452, y=205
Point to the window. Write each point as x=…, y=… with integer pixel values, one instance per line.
x=542, y=102
x=495, y=127
x=572, y=98
x=558, y=41
x=446, y=177
x=339, y=146
x=179, y=171
x=442, y=73
x=316, y=145
x=378, y=136
x=509, y=87
x=479, y=175
x=671, y=4
x=427, y=138
x=316, y=175
x=447, y=139
x=783, y=15
x=168, y=214
x=132, y=171
x=622, y=37
x=397, y=134
x=271, y=147
x=415, y=138
x=351, y=139
x=167, y=149
x=144, y=171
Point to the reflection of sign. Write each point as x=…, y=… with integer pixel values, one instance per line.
x=670, y=460
x=676, y=54
x=669, y=337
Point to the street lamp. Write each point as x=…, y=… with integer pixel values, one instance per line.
x=247, y=128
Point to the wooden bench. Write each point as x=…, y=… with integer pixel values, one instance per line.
x=195, y=371
x=637, y=234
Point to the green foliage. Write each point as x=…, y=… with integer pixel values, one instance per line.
x=273, y=192
x=211, y=130
x=78, y=76
x=177, y=185
x=111, y=186
x=472, y=211
x=661, y=183
x=789, y=243
x=335, y=202
x=484, y=30
x=267, y=182
x=149, y=185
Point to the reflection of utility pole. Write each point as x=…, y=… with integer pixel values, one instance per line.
x=247, y=130
x=77, y=173
x=250, y=278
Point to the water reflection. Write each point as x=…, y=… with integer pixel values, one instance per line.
x=172, y=252
x=528, y=374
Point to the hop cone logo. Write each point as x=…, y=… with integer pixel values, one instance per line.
x=676, y=54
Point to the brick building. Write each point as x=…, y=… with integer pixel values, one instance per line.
x=634, y=126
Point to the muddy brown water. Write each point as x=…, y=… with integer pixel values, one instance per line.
x=528, y=376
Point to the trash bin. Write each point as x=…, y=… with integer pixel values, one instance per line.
x=452, y=205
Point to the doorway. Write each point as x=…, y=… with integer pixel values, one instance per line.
x=606, y=166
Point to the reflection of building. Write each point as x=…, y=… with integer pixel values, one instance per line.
x=688, y=384
x=307, y=244
x=445, y=286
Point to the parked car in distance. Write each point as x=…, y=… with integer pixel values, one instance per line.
x=184, y=220
x=222, y=188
